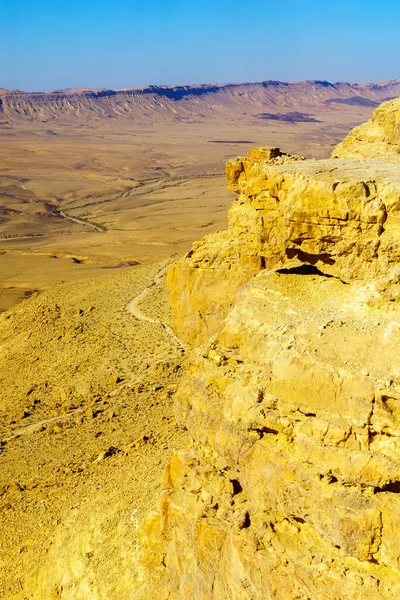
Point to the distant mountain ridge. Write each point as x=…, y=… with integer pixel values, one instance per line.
x=183, y=102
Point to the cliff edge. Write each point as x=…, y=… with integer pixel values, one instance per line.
x=380, y=136
x=341, y=216
x=290, y=489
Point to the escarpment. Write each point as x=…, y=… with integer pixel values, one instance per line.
x=290, y=489
x=341, y=216
x=380, y=136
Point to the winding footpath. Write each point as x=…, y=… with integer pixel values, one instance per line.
x=133, y=307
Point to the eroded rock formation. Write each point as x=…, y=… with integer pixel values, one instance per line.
x=291, y=487
x=342, y=216
x=380, y=136
x=193, y=100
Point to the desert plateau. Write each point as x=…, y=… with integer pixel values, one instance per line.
x=99, y=179
x=199, y=340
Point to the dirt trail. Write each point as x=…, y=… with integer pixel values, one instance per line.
x=35, y=426
x=80, y=221
x=134, y=309
x=14, y=238
x=146, y=187
x=99, y=387
x=143, y=187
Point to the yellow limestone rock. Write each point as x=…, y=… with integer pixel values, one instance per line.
x=380, y=136
x=291, y=487
x=341, y=216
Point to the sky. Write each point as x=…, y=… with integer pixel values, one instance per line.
x=53, y=44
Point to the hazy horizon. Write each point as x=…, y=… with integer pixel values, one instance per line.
x=121, y=44
x=199, y=83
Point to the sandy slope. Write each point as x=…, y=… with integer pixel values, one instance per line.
x=135, y=309
x=72, y=488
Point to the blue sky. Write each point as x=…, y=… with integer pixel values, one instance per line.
x=50, y=44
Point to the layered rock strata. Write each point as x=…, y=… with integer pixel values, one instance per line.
x=380, y=136
x=340, y=215
x=291, y=487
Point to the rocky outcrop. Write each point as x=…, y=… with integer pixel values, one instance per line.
x=380, y=136
x=290, y=490
x=341, y=216
x=291, y=487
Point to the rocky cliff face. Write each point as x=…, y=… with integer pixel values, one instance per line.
x=380, y=136
x=341, y=216
x=290, y=489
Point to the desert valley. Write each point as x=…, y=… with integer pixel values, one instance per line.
x=143, y=169
x=188, y=417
